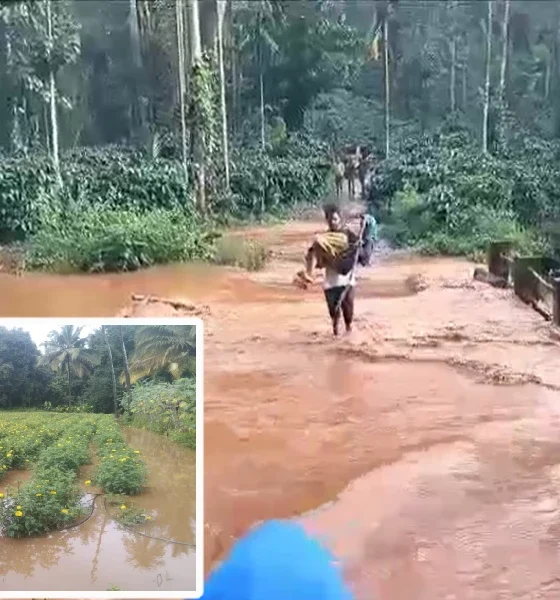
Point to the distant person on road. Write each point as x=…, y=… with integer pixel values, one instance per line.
x=368, y=226
x=335, y=251
x=277, y=561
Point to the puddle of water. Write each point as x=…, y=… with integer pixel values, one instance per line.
x=99, y=554
x=422, y=447
x=15, y=478
x=106, y=295
x=396, y=288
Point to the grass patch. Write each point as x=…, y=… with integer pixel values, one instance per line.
x=236, y=251
x=112, y=240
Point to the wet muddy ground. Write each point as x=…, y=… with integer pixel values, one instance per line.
x=424, y=449
x=99, y=555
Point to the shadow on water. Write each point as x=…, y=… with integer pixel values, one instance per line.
x=99, y=554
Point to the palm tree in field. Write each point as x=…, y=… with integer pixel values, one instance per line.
x=65, y=351
x=159, y=348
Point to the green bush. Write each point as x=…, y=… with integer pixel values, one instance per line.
x=185, y=438
x=27, y=195
x=439, y=195
x=126, y=513
x=48, y=501
x=295, y=172
x=92, y=177
x=121, y=470
x=66, y=455
x=165, y=408
x=95, y=240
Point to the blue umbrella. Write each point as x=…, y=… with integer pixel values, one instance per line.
x=277, y=561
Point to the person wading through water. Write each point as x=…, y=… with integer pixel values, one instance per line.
x=336, y=252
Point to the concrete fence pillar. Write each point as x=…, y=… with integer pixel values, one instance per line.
x=556, y=301
x=496, y=264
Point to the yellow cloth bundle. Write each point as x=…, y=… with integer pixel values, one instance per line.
x=330, y=246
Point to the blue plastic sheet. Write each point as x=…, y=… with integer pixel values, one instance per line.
x=277, y=561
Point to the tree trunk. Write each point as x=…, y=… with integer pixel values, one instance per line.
x=135, y=34
x=69, y=383
x=236, y=80
x=114, y=379
x=505, y=45
x=15, y=131
x=387, y=84
x=221, y=7
x=197, y=131
x=465, y=96
x=453, y=78
x=263, y=117
x=52, y=100
x=126, y=367
x=136, y=51
x=182, y=83
x=233, y=68
x=486, y=107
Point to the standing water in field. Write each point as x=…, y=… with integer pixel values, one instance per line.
x=100, y=555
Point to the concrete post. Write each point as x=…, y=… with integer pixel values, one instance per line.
x=496, y=264
x=556, y=301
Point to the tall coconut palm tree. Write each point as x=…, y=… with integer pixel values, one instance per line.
x=65, y=351
x=113, y=378
x=126, y=368
x=164, y=348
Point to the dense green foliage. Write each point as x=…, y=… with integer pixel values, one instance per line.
x=168, y=408
x=122, y=211
x=74, y=375
x=439, y=194
x=105, y=173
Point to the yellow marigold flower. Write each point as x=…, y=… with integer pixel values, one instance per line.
x=88, y=482
x=18, y=507
x=18, y=513
x=123, y=507
x=38, y=495
x=53, y=493
x=64, y=511
x=1, y=495
x=137, y=452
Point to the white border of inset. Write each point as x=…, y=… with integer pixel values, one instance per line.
x=12, y=322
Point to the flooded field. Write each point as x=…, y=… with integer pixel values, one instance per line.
x=100, y=555
x=424, y=449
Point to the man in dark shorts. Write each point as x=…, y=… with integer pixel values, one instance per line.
x=335, y=251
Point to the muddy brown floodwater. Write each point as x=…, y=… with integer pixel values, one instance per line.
x=424, y=449
x=100, y=555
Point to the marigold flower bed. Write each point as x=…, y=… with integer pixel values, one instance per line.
x=55, y=446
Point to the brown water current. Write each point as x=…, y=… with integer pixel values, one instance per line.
x=424, y=448
x=99, y=554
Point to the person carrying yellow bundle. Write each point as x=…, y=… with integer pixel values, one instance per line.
x=335, y=251
x=329, y=247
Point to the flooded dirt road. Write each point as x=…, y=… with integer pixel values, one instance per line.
x=424, y=449
x=99, y=555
